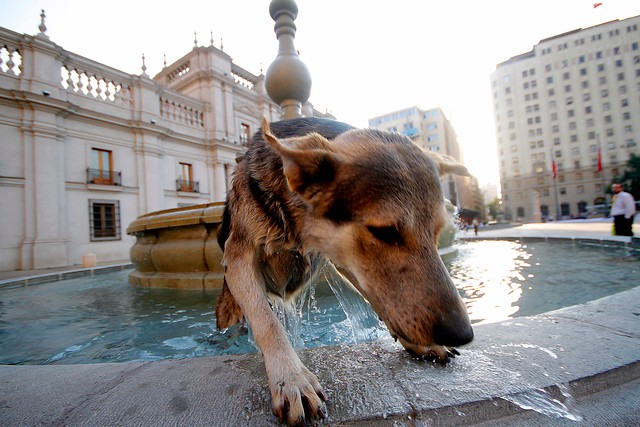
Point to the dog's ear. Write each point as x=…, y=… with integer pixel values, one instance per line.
x=307, y=164
x=447, y=164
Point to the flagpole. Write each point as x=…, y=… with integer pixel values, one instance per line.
x=601, y=171
x=554, y=174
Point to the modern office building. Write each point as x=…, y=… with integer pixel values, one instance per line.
x=572, y=100
x=85, y=148
x=432, y=131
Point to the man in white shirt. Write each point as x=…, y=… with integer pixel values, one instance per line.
x=623, y=209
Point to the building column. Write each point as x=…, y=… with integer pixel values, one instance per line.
x=46, y=242
x=219, y=182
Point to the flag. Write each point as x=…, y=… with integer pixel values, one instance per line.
x=596, y=5
x=554, y=169
x=599, y=159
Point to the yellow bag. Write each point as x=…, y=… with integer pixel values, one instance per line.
x=613, y=229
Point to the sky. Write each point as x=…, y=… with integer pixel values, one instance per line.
x=366, y=58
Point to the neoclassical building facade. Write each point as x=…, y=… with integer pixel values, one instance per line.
x=85, y=148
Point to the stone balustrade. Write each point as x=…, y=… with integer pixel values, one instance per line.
x=10, y=60
x=242, y=77
x=179, y=109
x=179, y=71
x=93, y=83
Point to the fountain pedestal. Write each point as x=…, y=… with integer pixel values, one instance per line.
x=178, y=248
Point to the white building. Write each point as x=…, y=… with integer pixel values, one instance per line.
x=573, y=95
x=85, y=149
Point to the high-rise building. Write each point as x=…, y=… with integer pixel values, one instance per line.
x=431, y=130
x=570, y=105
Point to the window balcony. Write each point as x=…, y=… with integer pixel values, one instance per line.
x=187, y=186
x=104, y=177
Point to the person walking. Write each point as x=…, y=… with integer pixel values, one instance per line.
x=623, y=209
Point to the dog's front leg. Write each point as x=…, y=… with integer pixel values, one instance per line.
x=296, y=392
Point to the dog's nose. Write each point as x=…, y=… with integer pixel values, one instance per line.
x=452, y=333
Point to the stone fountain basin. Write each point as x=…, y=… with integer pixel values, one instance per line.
x=178, y=248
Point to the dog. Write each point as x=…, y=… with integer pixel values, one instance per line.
x=367, y=201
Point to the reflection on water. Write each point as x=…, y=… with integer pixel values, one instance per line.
x=103, y=319
x=501, y=279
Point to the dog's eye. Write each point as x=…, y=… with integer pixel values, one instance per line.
x=388, y=234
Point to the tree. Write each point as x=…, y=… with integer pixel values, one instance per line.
x=495, y=208
x=630, y=178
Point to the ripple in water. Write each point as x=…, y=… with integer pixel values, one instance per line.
x=103, y=319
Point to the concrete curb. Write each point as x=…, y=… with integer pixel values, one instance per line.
x=62, y=274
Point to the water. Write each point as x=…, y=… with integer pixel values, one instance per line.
x=103, y=319
x=499, y=280
x=541, y=401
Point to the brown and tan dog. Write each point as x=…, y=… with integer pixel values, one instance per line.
x=368, y=201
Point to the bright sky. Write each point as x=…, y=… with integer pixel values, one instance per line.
x=366, y=58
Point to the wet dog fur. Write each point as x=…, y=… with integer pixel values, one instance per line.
x=370, y=203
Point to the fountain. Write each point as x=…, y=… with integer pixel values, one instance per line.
x=178, y=248
x=544, y=362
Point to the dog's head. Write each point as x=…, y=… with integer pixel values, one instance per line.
x=375, y=208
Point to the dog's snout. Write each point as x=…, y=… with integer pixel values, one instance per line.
x=452, y=333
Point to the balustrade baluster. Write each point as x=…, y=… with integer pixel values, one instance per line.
x=69, y=79
x=90, y=87
x=79, y=84
x=10, y=63
x=99, y=89
x=107, y=92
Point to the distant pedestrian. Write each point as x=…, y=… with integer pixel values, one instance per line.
x=476, y=224
x=623, y=209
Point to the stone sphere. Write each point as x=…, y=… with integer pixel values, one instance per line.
x=277, y=5
x=288, y=78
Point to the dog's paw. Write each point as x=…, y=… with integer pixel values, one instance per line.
x=297, y=397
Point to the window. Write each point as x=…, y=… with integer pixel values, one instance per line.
x=101, y=168
x=185, y=180
x=582, y=207
x=104, y=220
x=245, y=133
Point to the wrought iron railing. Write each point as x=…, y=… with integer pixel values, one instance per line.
x=187, y=186
x=103, y=177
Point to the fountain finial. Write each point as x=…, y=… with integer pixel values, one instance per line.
x=288, y=81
